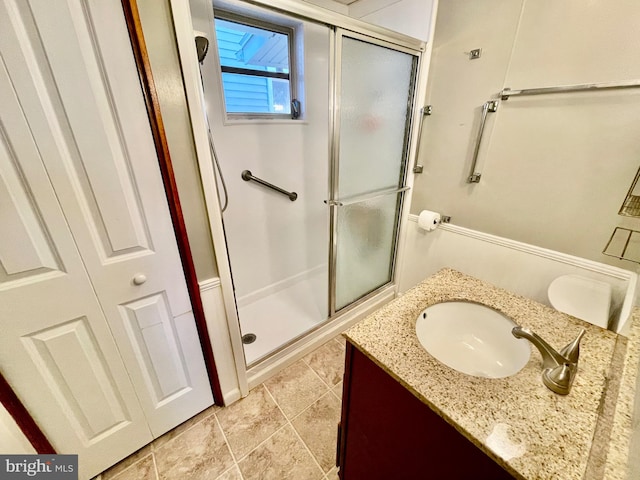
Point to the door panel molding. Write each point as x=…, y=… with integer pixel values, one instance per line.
x=149, y=323
x=76, y=371
x=27, y=249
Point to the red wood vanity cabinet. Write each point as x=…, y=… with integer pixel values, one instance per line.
x=386, y=433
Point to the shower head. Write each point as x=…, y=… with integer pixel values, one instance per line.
x=202, y=47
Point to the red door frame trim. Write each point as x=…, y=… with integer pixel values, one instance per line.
x=130, y=8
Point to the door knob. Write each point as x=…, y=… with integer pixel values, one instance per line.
x=139, y=279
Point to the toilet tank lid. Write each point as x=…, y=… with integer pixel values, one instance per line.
x=582, y=297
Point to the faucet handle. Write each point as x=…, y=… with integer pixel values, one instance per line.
x=572, y=350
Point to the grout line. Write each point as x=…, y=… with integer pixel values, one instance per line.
x=298, y=435
x=235, y=465
x=334, y=393
x=262, y=442
x=316, y=374
x=314, y=402
x=265, y=440
x=226, y=441
x=155, y=465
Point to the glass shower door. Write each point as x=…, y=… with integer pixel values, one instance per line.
x=375, y=96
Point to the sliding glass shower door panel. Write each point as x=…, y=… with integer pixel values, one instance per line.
x=367, y=236
x=375, y=92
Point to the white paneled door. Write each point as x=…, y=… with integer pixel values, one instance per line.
x=99, y=340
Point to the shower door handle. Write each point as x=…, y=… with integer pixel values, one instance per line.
x=365, y=196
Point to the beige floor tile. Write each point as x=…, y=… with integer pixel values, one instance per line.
x=318, y=428
x=281, y=457
x=328, y=362
x=295, y=388
x=126, y=463
x=231, y=474
x=198, y=453
x=186, y=425
x=144, y=469
x=250, y=421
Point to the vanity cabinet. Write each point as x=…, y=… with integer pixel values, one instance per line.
x=386, y=432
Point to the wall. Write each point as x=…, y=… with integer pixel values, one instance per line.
x=555, y=169
x=331, y=5
x=157, y=24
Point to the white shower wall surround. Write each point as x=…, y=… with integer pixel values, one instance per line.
x=515, y=266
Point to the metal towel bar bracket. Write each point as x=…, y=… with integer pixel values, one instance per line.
x=247, y=176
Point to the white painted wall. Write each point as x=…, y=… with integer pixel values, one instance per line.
x=331, y=5
x=12, y=440
x=555, y=169
x=411, y=17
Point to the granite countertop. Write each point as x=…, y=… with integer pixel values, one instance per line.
x=529, y=430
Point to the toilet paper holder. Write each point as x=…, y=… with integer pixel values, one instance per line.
x=429, y=220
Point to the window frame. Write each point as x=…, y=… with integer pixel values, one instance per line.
x=292, y=76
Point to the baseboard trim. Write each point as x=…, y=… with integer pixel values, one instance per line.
x=231, y=396
x=221, y=341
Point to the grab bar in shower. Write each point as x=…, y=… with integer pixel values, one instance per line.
x=583, y=87
x=490, y=106
x=247, y=176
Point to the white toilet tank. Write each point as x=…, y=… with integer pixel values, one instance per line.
x=582, y=297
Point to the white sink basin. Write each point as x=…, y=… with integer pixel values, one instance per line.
x=472, y=338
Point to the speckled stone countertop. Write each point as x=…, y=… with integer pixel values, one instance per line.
x=529, y=430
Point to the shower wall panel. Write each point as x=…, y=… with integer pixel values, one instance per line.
x=272, y=240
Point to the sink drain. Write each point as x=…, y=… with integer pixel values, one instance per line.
x=248, y=338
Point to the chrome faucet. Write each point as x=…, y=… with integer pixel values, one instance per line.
x=558, y=368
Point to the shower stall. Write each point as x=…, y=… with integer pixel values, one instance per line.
x=299, y=262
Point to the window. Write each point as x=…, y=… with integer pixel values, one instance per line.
x=257, y=64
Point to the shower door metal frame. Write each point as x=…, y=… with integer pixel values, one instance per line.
x=334, y=161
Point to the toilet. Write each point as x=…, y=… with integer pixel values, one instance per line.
x=581, y=297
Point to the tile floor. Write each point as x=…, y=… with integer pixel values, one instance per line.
x=285, y=428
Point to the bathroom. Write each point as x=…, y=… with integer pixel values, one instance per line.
x=542, y=184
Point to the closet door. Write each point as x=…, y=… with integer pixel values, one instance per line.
x=56, y=349
x=70, y=73
x=105, y=172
